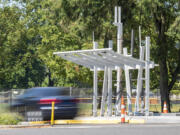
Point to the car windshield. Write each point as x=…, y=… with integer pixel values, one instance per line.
x=42, y=92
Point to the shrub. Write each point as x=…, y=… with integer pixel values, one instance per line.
x=10, y=119
x=7, y=117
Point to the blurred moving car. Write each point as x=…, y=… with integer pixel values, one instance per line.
x=36, y=103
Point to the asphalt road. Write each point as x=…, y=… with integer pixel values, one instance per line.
x=145, y=129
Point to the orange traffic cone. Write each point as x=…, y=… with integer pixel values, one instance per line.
x=165, y=108
x=122, y=110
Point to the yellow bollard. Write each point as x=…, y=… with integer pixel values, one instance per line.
x=52, y=114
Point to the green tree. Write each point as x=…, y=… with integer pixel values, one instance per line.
x=20, y=66
x=159, y=16
x=47, y=18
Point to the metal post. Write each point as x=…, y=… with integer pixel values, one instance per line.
x=139, y=35
x=115, y=14
x=111, y=44
x=128, y=85
x=52, y=114
x=95, y=85
x=119, y=14
x=104, y=91
x=119, y=25
x=142, y=101
x=132, y=41
x=147, y=76
x=109, y=111
x=139, y=80
x=70, y=91
x=132, y=52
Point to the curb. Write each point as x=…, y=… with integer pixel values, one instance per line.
x=94, y=121
x=24, y=126
x=80, y=122
x=88, y=121
x=113, y=120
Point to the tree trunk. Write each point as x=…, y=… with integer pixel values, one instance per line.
x=162, y=51
x=164, y=85
x=51, y=82
x=162, y=58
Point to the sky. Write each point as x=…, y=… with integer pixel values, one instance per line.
x=9, y=3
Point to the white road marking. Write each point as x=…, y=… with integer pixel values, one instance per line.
x=77, y=127
x=116, y=126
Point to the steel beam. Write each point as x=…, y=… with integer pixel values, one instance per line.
x=93, y=61
x=139, y=80
x=96, y=59
x=84, y=51
x=129, y=61
x=76, y=61
x=109, y=100
x=101, y=59
x=147, y=75
x=95, y=85
x=104, y=91
x=128, y=85
x=109, y=109
x=117, y=22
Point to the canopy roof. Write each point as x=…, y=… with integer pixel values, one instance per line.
x=101, y=58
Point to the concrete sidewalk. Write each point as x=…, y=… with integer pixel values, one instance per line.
x=100, y=120
x=155, y=119
x=117, y=120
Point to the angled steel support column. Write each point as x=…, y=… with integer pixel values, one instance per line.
x=139, y=80
x=109, y=109
x=109, y=100
x=95, y=85
x=128, y=85
x=104, y=91
x=147, y=75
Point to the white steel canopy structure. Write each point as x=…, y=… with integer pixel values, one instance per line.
x=108, y=60
x=101, y=58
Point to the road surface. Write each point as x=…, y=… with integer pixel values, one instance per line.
x=126, y=129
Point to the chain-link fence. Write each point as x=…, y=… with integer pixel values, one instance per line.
x=7, y=96
x=85, y=96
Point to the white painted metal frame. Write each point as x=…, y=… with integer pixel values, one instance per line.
x=95, y=82
x=104, y=91
x=139, y=80
x=107, y=60
x=128, y=85
x=117, y=22
x=109, y=103
x=106, y=57
x=98, y=59
x=147, y=76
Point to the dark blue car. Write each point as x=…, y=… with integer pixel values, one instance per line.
x=36, y=103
